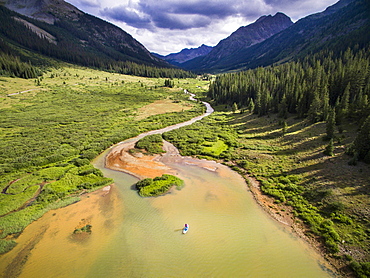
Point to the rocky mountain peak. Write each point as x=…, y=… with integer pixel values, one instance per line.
x=82, y=34
x=44, y=10
x=246, y=36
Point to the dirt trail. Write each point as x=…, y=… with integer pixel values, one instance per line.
x=30, y=90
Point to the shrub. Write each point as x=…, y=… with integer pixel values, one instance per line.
x=329, y=150
x=6, y=245
x=157, y=186
x=152, y=144
x=84, y=229
x=80, y=162
x=362, y=270
x=341, y=218
x=143, y=183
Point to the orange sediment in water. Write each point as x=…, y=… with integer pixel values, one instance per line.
x=51, y=234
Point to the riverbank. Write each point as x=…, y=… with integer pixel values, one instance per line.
x=48, y=236
x=284, y=215
x=136, y=164
x=149, y=166
x=329, y=196
x=142, y=166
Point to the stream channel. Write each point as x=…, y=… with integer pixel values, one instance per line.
x=229, y=235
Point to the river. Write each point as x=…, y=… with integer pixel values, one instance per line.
x=229, y=235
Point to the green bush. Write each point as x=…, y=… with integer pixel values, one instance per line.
x=6, y=245
x=152, y=144
x=9, y=203
x=157, y=186
x=143, y=183
x=84, y=229
x=362, y=270
x=341, y=218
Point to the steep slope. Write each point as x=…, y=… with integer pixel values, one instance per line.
x=344, y=25
x=48, y=11
x=69, y=34
x=245, y=37
x=339, y=27
x=186, y=54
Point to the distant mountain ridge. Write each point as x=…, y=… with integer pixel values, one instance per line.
x=245, y=37
x=71, y=35
x=342, y=25
x=186, y=54
x=249, y=35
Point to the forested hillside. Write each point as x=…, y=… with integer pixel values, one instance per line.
x=323, y=94
x=341, y=26
x=316, y=87
x=243, y=38
x=27, y=43
x=307, y=88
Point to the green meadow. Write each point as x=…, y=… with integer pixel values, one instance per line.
x=325, y=194
x=53, y=126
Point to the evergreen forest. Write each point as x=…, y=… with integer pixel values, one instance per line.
x=321, y=87
x=300, y=130
x=22, y=51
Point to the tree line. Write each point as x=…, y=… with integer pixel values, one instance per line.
x=321, y=87
x=309, y=88
x=13, y=66
x=14, y=33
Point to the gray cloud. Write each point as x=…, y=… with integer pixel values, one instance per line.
x=180, y=15
x=180, y=22
x=128, y=16
x=166, y=26
x=218, y=9
x=89, y=3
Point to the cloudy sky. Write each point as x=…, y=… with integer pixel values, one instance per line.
x=168, y=26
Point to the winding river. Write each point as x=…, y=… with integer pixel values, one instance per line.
x=229, y=235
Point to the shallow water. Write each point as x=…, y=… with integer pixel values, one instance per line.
x=229, y=235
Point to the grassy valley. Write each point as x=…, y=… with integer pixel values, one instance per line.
x=302, y=138
x=52, y=126
x=296, y=125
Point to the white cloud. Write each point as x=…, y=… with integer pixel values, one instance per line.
x=168, y=26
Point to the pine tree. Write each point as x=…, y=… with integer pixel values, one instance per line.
x=283, y=108
x=315, y=111
x=362, y=141
x=329, y=150
x=251, y=105
x=330, y=124
x=325, y=102
x=344, y=103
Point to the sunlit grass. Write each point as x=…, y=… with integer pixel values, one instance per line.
x=214, y=148
x=53, y=125
x=323, y=191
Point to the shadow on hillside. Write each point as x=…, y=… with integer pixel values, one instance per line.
x=335, y=175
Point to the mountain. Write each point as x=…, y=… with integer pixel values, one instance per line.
x=59, y=30
x=245, y=37
x=343, y=25
x=185, y=55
